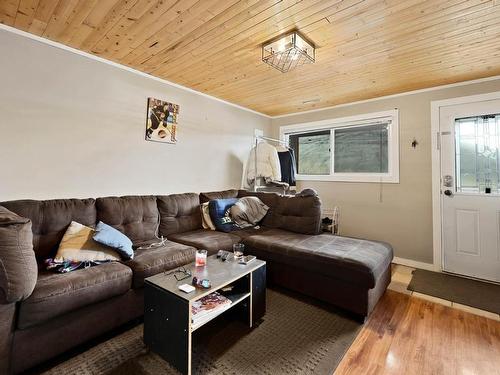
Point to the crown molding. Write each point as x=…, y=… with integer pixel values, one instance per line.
x=434, y=88
x=176, y=85
x=120, y=66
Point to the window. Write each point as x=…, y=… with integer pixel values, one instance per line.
x=477, y=156
x=359, y=148
x=312, y=152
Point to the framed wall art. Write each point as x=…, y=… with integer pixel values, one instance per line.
x=161, y=124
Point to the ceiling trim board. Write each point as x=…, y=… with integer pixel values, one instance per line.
x=123, y=67
x=412, y=92
x=176, y=85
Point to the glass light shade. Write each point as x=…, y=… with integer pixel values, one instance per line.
x=288, y=51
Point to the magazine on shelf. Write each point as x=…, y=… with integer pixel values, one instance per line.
x=210, y=304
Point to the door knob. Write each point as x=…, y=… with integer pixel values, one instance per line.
x=448, y=193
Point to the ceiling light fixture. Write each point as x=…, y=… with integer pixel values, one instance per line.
x=288, y=51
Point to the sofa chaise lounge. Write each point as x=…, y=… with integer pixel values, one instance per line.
x=44, y=314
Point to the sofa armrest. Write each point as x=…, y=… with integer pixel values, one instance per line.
x=18, y=267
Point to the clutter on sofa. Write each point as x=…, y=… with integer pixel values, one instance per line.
x=107, y=235
x=248, y=212
x=220, y=214
x=230, y=214
x=66, y=266
x=78, y=245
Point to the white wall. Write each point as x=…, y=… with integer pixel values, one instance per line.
x=71, y=126
x=400, y=214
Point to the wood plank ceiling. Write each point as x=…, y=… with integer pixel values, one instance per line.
x=365, y=48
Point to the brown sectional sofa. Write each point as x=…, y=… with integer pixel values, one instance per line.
x=44, y=313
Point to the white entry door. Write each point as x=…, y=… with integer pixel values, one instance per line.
x=470, y=189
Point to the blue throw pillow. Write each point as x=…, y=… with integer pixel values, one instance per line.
x=109, y=236
x=219, y=213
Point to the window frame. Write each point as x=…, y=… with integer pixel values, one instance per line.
x=391, y=116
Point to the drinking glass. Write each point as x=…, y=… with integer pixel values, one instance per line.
x=238, y=250
x=201, y=258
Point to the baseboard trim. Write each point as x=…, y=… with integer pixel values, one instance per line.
x=414, y=264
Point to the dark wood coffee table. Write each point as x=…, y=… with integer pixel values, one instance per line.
x=168, y=325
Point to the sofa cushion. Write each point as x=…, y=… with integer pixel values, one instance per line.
x=350, y=259
x=18, y=268
x=134, y=216
x=298, y=214
x=210, y=240
x=251, y=231
x=225, y=194
x=51, y=218
x=179, y=213
x=56, y=294
x=150, y=261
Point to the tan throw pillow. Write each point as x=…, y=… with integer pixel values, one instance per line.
x=77, y=245
x=206, y=220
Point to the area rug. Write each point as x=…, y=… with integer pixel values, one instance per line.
x=478, y=294
x=296, y=336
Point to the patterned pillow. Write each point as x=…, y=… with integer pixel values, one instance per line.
x=219, y=213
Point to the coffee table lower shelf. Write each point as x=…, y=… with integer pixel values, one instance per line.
x=235, y=299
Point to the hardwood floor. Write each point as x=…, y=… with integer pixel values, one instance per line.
x=407, y=335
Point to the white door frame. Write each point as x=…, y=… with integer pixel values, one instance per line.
x=436, y=168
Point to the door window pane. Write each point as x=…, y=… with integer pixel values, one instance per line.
x=477, y=143
x=312, y=152
x=361, y=149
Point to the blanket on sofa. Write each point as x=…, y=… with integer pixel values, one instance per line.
x=248, y=211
